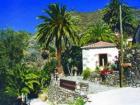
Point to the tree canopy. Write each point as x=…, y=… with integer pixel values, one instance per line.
x=97, y=32
x=112, y=14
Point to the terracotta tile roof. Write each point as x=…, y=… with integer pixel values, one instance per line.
x=100, y=44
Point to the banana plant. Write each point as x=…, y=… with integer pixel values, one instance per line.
x=21, y=80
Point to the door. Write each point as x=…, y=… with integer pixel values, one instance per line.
x=103, y=59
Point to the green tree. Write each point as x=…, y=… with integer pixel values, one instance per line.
x=97, y=32
x=13, y=45
x=111, y=17
x=58, y=26
x=72, y=57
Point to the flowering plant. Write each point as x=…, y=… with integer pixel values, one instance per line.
x=105, y=72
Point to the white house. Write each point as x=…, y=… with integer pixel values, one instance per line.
x=98, y=54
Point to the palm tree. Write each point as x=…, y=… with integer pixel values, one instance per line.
x=97, y=32
x=58, y=26
x=111, y=17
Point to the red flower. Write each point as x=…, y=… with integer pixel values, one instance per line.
x=105, y=72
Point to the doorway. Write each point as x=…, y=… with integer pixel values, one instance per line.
x=103, y=59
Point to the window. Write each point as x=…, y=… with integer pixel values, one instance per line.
x=103, y=59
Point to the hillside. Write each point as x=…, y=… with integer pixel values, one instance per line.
x=88, y=18
x=137, y=14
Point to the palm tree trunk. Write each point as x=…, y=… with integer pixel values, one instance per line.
x=59, y=65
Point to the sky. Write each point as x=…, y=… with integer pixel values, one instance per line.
x=22, y=14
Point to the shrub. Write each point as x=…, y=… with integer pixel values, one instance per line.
x=78, y=101
x=97, y=69
x=86, y=73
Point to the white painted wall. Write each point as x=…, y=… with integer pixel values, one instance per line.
x=91, y=56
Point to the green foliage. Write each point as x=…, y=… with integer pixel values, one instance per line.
x=78, y=101
x=59, y=28
x=111, y=17
x=57, y=25
x=16, y=76
x=97, y=32
x=21, y=80
x=50, y=65
x=88, y=18
x=97, y=69
x=86, y=73
x=72, y=57
x=44, y=78
x=12, y=44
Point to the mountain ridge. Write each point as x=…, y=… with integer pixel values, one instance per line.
x=89, y=18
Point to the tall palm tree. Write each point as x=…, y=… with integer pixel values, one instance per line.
x=58, y=27
x=111, y=16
